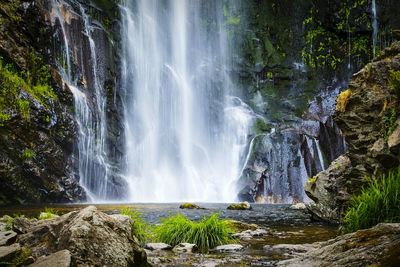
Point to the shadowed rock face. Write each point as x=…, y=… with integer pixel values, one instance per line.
x=377, y=246
x=369, y=123
x=46, y=173
x=92, y=237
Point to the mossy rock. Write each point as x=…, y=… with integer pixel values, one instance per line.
x=190, y=206
x=240, y=206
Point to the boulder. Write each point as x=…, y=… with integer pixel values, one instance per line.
x=7, y=238
x=328, y=191
x=92, y=237
x=240, y=206
x=21, y=225
x=377, y=246
x=157, y=246
x=240, y=226
x=394, y=141
x=8, y=253
x=61, y=258
x=185, y=248
x=228, y=248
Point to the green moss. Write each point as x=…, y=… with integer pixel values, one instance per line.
x=35, y=81
x=28, y=154
x=24, y=108
x=260, y=126
x=239, y=206
x=389, y=121
x=394, y=81
x=4, y=118
x=189, y=206
x=312, y=180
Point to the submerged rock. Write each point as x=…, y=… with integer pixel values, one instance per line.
x=190, y=206
x=298, y=206
x=228, y=248
x=240, y=206
x=288, y=248
x=377, y=246
x=157, y=246
x=249, y=234
x=92, y=237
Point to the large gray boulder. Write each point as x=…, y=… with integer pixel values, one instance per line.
x=328, y=191
x=93, y=238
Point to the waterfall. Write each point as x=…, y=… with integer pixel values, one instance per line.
x=186, y=129
x=89, y=98
x=374, y=27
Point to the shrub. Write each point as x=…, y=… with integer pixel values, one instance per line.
x=207, y=233
x=140, y=228
x=379, y=202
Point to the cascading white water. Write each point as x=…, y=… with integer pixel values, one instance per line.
x=89, y=114
x=186, y=132
x=374, y=27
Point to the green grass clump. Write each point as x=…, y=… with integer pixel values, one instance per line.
x=28, y=154
x=140, y=228
x=206, y=234
x=48, y=214
x=377, y=203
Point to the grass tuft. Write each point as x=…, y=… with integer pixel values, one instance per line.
x=206, y=234
x=377, y=203
x=140, y=228
x=48, y=214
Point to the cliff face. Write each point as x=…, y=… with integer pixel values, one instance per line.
x=38, y=162
x=37, y=126
x=368, y=114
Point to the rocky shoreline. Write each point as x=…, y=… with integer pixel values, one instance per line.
x=90, y=237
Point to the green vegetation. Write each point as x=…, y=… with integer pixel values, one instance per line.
x=35, y=81
x=379, y=202
x=28, y=154
x=389, y=121
x=140, y=228
x=48, y=214
x=394, y=81
x=207, y=233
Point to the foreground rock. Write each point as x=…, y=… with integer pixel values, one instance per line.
x=61, y=258
x=377, y=246
x=7, y=238
x=240, y=206
x=8, y=253
x=93, y=238
x=323, y=190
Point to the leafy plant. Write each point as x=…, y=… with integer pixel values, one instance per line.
x=140, y=228
x=207, y=233
x=389, y=121
x=379, y=202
